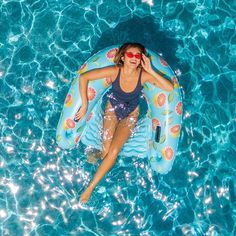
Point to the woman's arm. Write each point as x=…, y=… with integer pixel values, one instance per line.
x=153, y=77
x=83, y=85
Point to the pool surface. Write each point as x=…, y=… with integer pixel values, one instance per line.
x=42, y=45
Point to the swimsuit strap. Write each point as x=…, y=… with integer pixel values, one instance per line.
x=139, y=78
x=118, y=75
x=117, y=80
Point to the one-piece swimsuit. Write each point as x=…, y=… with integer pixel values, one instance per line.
x=122, y=102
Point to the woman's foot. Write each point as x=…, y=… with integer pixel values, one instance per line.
x=86, y=195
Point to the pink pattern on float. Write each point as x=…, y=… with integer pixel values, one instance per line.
x=91, y=93
x=89, y=116
x=159, y=99
x=111, y=54
x=77, y=139
x=155, y=123
x=175, y=131
x=163, y=62
x=68, y=101
x=69, y=124
x=179, y=108
x=167, y=153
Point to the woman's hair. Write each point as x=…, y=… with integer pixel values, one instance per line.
x=121, y=51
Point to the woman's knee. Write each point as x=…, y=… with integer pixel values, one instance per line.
x=112, y=153
x=109, y=150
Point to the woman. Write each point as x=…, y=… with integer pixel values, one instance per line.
x=131, y=70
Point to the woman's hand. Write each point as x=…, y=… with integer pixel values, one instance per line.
x=146, y=64
x=81, y=113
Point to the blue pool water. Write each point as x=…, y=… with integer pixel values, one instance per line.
x=42, y=45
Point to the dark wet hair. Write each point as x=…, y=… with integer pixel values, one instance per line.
x=122, y=49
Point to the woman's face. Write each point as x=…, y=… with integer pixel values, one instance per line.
x=132, y=57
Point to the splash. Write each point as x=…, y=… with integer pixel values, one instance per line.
x=149, y=2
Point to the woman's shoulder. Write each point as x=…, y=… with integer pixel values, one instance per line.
x=114, y=71
x=115, y=68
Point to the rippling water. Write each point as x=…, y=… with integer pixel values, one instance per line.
x=42, y=45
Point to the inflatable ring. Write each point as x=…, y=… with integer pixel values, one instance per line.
x=164, y=110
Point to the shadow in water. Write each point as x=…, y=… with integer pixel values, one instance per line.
x=145, y=31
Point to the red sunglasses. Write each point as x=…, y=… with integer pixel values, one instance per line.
x=131, y=55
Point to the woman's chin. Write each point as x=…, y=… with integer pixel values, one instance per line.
x=133, y=65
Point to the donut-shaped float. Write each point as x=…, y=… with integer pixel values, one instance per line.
x=164, y=110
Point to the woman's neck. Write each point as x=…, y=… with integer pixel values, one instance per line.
x=129, y=71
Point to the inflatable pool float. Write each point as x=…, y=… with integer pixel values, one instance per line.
x=164, y=110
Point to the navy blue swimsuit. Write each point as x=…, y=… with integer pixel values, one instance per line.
x=122, y=102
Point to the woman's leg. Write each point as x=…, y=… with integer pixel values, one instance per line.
x=109, y=125
x=122, y=133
